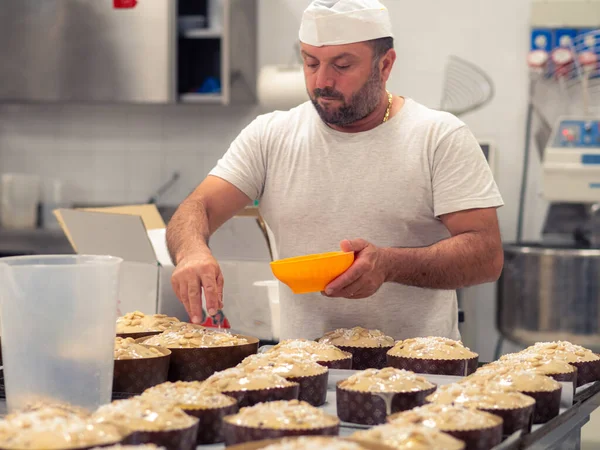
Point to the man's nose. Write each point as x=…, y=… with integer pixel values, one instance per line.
x=325, y=78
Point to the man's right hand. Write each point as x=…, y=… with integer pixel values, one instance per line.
x=196, y=273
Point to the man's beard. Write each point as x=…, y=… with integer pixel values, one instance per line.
x=361, y=104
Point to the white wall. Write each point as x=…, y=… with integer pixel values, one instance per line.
x=117, y=153
x=122, y=153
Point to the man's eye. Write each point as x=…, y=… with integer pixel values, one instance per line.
x=313, y=65
x=341, y=67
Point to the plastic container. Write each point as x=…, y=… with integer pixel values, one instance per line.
x=53, y=196
x=58, y=328
x=273, y=292
x=19, y=199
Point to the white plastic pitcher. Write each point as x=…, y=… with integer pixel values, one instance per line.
x=58, y=328
x=54, y=195
x=273, y=292
x=19, y=199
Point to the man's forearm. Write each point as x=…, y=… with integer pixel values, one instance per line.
x=188, y=231
x=463, y=260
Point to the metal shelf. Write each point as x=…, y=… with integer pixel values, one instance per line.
x=201, y=98
x=203, y=33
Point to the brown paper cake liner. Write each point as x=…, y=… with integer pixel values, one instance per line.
x=547, y=405
x=569, y=377
x=254, y=396
x=483, y=439
x=236, y=434
x=84, y=448
x=367, y=357
x=184, y=439
x=474, y=439
x=313, y=388
x=587, y=372
x=514, y=419
x=457, y=367
x=370, y=408
x=197, y=364
x=344, y=363
x=210, y=425
x=257, y=445
x=138, y=334
x=134, y=376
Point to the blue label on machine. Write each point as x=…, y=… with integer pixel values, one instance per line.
x=579, y=134
x=550, y=38
x=565, y=37
x=590, y=159
x=542, y=39
x=587, y=40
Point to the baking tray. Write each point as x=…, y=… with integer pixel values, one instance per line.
x=571, y=413
x=568, y=411
x=569, y=418
x=115, y=395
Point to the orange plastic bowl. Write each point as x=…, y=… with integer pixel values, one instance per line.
x=311, y=273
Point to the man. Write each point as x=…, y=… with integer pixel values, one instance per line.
x=404, y=187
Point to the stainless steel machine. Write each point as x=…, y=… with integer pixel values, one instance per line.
x=550, y=290
x=550, y=287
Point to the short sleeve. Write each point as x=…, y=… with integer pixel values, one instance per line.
x=244, y=163
x=461, y=176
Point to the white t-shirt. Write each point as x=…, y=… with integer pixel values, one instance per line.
x=388, y=185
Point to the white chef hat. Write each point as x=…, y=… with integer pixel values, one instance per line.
x=337, y=22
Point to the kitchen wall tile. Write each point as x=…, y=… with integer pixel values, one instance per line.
x=77, y=168
x=144, y=174
x=27, y=117
x=36, y=131
x=189, y=142
x=49, y=164
x=20, y=160
x=93, y=124
x=190, y=122
x=192, y=171
x=109, y=171
x=17, y=143
x=136, y=197
x=145, y=128
x=181, y=123
x=76, y=144
x=108, y=198
x=75, y=121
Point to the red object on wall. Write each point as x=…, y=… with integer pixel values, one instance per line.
x=124, y=4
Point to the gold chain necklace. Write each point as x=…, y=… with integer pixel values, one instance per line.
x=389, y=108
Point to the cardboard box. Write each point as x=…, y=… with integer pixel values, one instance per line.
x=136, y=234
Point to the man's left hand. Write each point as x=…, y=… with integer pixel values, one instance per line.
x=364, y=277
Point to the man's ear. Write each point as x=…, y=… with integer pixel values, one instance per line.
x=386, y=64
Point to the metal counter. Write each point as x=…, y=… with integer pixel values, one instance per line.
x=33, y=242
x=564, y=431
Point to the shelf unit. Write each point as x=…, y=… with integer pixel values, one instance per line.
x=159, y=51
x=216, y=51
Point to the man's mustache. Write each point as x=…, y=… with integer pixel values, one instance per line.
x=328, y=93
